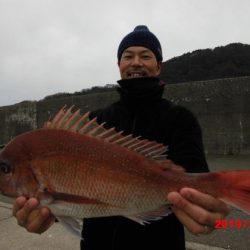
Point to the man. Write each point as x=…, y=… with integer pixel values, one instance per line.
x=142, y=111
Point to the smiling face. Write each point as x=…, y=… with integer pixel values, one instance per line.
x=138, y=62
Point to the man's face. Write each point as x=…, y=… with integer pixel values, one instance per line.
x=138, y=62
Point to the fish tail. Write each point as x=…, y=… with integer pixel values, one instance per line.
x=235, y=188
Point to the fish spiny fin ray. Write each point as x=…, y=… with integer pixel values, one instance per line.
x=72, y=121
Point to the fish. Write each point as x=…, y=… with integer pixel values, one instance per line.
x=80, y=169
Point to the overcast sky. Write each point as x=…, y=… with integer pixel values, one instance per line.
x=52, y=46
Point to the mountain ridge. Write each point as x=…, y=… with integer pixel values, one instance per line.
x=232, y=60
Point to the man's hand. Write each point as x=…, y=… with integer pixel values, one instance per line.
x=34, y=219
x=197, y=211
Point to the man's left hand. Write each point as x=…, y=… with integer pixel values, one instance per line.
x=197, y=211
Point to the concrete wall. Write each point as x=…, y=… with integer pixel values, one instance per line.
x=222, y=107
x=17, y=119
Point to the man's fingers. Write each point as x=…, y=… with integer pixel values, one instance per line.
x=20, y=201
x=25, y=212
x=191, y=224
x=40, y=222
x=189, y=211
x=32, y=217
x=204, y=200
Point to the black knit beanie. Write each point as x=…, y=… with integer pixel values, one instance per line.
x=141, y=36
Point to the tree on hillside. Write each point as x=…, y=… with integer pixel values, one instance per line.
x=228, y=61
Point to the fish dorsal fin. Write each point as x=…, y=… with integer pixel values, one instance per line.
x=74, y=122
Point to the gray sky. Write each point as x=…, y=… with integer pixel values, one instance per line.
x=52, y=46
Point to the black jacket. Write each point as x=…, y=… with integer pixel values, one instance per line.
x=141, y=111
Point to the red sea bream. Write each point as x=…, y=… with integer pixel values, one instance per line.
x=79, y=169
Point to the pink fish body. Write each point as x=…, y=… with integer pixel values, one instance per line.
x=79, y=169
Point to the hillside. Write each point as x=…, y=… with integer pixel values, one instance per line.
x=228, y=61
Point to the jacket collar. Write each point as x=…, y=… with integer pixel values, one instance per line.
x=140, y=91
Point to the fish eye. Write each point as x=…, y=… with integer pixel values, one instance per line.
x=5, y=167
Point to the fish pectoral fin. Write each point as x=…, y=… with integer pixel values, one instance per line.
x=74, y=225
x=145, y=218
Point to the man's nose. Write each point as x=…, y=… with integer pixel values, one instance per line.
x=136, y=61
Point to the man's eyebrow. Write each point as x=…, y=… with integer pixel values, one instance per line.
x=146, y=51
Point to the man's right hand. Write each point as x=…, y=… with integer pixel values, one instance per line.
x=31, y=217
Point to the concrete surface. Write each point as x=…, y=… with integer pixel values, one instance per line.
x=13, y=237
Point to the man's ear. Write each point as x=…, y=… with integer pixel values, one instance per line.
x=159, y=66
